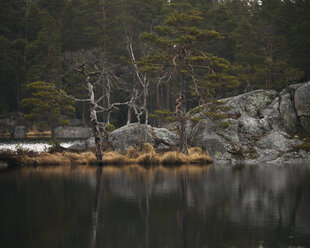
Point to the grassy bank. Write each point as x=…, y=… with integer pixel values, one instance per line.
x=144, y=155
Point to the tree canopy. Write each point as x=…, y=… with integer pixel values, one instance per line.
x=216, y=48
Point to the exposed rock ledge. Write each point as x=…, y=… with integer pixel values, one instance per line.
x=261, y=127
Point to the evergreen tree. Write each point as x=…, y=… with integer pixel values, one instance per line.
x=179, y=47
x=46, y=105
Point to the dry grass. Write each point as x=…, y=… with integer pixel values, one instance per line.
x=63, y=158
x=194, y=151
x=45, y=159
x=134, y=153
x=197, y=156
x=80, y=158
x=173, y=158
x=148, y=159
x=144, y=155
x=114, y=158
x=5, y=135
x=37, y=134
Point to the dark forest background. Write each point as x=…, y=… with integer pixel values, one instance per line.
x=267, y=44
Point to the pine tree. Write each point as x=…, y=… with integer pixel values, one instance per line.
x=46, y=105
x=179, y=48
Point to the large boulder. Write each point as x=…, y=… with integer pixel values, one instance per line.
x=70, y=132
x=130, y=135
x=133, y=134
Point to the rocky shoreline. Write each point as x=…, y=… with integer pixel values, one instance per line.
x=262, y=126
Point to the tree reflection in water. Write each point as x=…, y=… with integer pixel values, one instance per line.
x=189, y=206
x=95, y=213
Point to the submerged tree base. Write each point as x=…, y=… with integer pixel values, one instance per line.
x=144, y=155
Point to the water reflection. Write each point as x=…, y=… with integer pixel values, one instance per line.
x=190, y=206
x=95, y=215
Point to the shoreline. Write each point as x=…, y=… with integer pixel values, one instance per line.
x=145, y=156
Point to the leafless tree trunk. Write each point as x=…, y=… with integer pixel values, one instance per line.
x=129, y=115
x=142, y=78
x=181, y=116
x=94, y=77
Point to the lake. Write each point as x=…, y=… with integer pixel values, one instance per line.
x=131, y=206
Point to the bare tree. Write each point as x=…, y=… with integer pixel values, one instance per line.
x=96, y=75
x=143, y=80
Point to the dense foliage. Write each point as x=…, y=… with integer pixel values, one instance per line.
x=46, y=105
x=247, y=44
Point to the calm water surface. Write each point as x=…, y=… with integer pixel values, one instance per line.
x=213, y=206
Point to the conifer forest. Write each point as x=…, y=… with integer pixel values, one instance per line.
x=145, y=58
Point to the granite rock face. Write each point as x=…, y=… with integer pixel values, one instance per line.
x=262, y=126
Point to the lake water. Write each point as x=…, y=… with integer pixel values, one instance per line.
x=189, y=206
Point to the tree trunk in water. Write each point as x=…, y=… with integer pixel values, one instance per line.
x=96, y=208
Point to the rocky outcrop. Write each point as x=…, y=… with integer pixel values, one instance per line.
x=260, y=126
x=133, y=135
